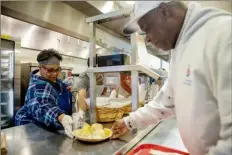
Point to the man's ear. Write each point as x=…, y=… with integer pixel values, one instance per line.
x=165, y=10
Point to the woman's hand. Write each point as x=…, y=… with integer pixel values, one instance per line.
x=66, y=122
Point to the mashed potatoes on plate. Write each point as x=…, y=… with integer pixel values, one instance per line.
x=95, y=131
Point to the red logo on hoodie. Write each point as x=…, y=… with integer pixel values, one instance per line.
x=188, y=72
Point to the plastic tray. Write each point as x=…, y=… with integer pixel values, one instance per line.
x=144, y=149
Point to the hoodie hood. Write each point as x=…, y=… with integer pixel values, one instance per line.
x=195, y=18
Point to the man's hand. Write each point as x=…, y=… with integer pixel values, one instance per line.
x=67, y=122
x=117, y=90
x=69, y=88
x=81, y=96
x=119, y=128
x=114, y=93
x=82, y=105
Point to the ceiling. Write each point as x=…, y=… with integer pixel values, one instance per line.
x=117, y=25
x=84, y=7
x=38, y=38
x=92, y=9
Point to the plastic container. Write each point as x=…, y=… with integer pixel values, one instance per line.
x=144, y=149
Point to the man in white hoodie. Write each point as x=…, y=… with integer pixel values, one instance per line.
x=198, y=89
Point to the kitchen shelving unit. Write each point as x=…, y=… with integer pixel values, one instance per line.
x=134, y=68
x=7, y=82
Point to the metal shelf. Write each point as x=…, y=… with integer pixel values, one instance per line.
x=4, y=91
x=5, y=73
x=139, y=68
x=3, y=56
x=4, y=123
x=3, y=67
x=5, y=64
x=4, y=103
x=134, y=68
x=6, y=79
x=4, y=116
x=115, y=15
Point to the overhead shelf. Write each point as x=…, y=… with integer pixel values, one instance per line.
x=4, y=67
x=4, y=123
x=139, y=68
x=137, y=43
x=6, y=79
x=5, y=56
x=3, y=103
x=3, y=116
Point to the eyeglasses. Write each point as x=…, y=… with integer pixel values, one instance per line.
x=51, y=70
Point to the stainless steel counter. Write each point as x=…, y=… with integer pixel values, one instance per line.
x=165, y=134
x=32, y=140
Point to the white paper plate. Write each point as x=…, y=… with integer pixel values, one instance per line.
x=92, y=140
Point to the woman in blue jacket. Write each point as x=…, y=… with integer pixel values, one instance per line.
x=48, y=101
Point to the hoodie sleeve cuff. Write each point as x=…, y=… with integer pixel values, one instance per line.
x=129, y=123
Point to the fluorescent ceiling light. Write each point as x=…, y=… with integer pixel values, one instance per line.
x=130, y=2
x=69, y=53
x=98, y=46
x=6, y=52
x=108, y=6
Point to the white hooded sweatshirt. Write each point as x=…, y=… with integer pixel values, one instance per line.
x=198, y=90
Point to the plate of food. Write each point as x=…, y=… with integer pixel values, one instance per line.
x=92, y=133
